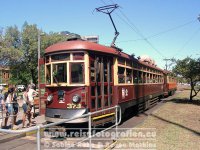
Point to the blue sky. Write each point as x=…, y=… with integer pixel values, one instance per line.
x=148, y=16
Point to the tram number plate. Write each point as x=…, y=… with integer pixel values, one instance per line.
x=71, y=105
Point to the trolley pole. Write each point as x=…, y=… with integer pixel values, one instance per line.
x=108, y=10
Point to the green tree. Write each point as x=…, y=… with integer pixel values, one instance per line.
x=19, y=50
x=189, y=69
x=10, y=46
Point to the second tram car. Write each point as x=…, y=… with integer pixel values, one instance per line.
x=82, y=77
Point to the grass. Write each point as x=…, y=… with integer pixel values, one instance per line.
x=177, y=123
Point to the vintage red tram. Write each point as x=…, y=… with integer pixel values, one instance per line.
x=82, y=77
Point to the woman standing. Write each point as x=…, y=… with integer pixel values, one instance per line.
x=26, y=107
x=10, y=108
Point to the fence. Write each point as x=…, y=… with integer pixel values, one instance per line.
x=89, y=115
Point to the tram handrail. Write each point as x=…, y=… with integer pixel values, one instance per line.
x=38, y=127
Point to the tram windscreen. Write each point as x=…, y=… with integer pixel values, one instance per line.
x=60, y=73
x=77, y=72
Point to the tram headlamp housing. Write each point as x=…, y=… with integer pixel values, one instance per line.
x=50, y=98
x=76, y=99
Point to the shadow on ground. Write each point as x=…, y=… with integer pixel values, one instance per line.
x=177, y=124
x=184, y=101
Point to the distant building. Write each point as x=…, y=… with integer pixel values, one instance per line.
x=4, y=75
x=91, y=38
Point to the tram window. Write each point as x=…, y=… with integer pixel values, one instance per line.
x=105, y=70
x=60, y=72
x=77, y=72
x=105, y=90
x=128, y=76
x=111, y=100
x=111, y=71
x=99, y=103
x=121, y=77
x=105, y=101
x=135, y=76
x=128, y=63
x=99, y=90
x=47, y=59
x=92, y=71
x=140, y=77
x=144, y=77
x=147, y=78
x=93, y=103
x=92, y=91
x=78, y=56
x=60, y=57
x=111, y=89
x=121, y=61
x=151, y=78
x=135, y=65
x=48, y=74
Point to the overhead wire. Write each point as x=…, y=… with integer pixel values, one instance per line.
x=187, y=42
x=135, y=29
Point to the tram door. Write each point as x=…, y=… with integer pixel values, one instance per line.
x=101, y=82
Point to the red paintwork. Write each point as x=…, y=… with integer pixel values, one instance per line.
x=171, y=85
x=138, y=91
x=84, y=45
x=69, y=93
x=134, y=91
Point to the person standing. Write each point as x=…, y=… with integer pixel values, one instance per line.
x=9, y=105
x=26, y=107
x=2, y=106
x=31, y=94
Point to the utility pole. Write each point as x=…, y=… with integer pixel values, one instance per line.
x=167, y=66
x=39, y=49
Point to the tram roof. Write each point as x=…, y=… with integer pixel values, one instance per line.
x=90, y=46
x=84, y=45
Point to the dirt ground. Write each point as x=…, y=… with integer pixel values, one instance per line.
x=176, y=124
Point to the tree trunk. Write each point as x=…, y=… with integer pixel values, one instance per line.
x=192, y=87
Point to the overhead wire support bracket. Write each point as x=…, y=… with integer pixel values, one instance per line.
x=108, y=9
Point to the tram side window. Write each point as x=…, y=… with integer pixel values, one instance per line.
x=105, y=70
x=77, y=73
x=121, y=76
x=93, y=103
x=135, y=76
x=128, y=76
x=48, y=74
x=144, y=77
x=92, y=71
x=99, y=103
x=59, y=73
x=140, y=77
x=60, y=57
x=78, y=56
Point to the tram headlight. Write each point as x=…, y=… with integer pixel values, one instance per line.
x=50, y=98
x=76, y=99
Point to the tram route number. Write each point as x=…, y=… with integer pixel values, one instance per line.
x=71, y=105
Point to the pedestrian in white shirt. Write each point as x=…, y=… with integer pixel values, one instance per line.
x=31, y=94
